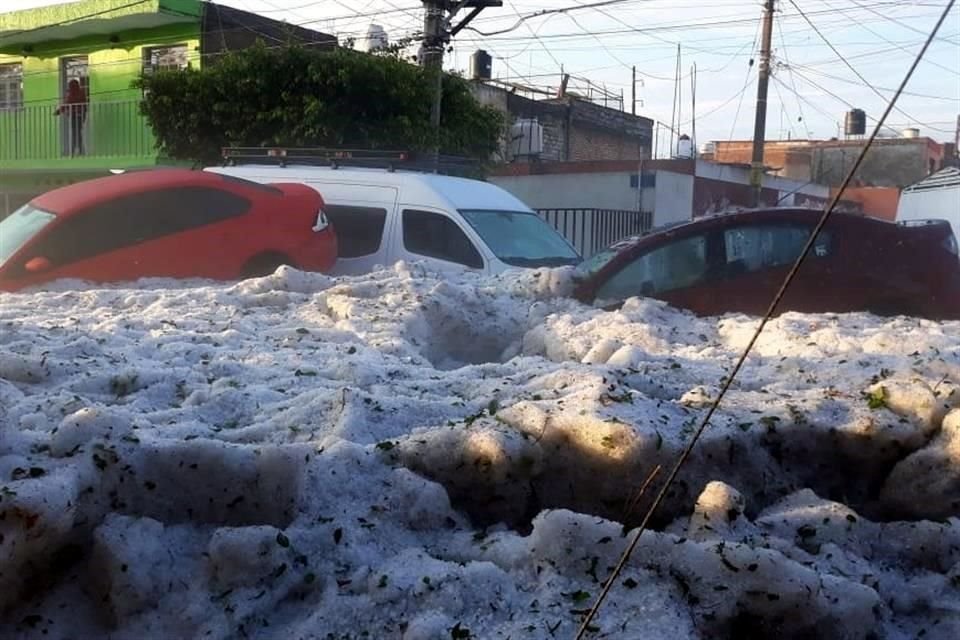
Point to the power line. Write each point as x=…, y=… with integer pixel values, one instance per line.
x=783, y=43
x=898, y=46
x=852, y=69
x=537, y=38
x=800, y=98
x=783, y=108
x=728, y=382
x=652, y=28
x=545, y=12
x=896, y=21
x=850, y=105
x=747, y=81
x=818, y=72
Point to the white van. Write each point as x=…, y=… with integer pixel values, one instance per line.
x=935, y=197
x=382, y=216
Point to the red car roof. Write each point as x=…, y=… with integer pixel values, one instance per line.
x=75, y=197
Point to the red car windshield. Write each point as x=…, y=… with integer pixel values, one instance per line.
x=19, y=227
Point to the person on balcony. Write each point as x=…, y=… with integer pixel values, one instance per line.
x=75, y=107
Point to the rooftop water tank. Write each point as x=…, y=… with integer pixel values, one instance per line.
x=481, y=65
x=855, y=122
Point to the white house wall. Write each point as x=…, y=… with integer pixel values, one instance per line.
x=572, y=190
x=673, y=198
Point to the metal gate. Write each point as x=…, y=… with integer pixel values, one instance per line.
x=590, y=230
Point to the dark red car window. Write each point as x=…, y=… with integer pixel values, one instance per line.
x=675, y=265
x=751, y=248
x=132, y=219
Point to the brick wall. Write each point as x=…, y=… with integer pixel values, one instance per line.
x=573, y=129
x=587, y=143
x=898, y=163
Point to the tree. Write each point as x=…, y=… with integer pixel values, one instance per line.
x=296, y=97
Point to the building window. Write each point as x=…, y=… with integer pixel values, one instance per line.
x=172, y=58
x=11, y=86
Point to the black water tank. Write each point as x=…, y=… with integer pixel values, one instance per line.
x=481, y=65
x=855, y=124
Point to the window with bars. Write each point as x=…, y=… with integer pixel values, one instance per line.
x=11, y=86
x=171, y=58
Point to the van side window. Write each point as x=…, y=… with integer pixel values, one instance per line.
x=359, y=229
x=436, y=236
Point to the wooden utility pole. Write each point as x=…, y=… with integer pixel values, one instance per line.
x=760, y=124
x=438, y=16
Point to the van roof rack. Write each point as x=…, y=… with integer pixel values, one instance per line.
x=336, y=158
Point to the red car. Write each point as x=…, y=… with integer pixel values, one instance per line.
x=737, y=262
x=174, y=223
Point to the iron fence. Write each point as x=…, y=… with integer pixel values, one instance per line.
x=94, y=130
x=590, y=230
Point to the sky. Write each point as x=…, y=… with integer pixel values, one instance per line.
x=811, y=88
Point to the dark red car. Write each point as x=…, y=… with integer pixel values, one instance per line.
x=737, y=262
x=173, y=223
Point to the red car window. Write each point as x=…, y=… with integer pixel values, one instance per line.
x=132, y=219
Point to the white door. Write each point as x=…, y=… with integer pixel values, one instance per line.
x=362, y=217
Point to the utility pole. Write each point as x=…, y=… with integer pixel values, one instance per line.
x=434, y=40
x=633, y=92
x=693, y=109
x=673, y=111
x=438, y=17
x=760, y=124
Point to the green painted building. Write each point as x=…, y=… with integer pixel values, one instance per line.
x=104, y=45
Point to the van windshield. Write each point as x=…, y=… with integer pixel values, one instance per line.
x=521, y=238
x=19, y=227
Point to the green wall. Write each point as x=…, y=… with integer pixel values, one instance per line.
x=120, y=137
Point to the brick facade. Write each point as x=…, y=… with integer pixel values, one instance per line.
x=573, y=129
x=891, y=162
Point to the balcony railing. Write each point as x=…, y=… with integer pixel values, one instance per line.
x=590, y=230
x=96, y=130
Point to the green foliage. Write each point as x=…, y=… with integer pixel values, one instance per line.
x=296, y=96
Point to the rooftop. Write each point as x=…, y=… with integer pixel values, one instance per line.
x=19, y=29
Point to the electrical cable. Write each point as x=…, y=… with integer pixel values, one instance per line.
x=652, y=28
x=747, y=81
x=830, y=76
x=546, y=12
x=783, y=44
x=853, y=69
x=898, y=46
x=728, y=382
x=898, y=22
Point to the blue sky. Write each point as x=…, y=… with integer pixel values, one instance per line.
x=811, y=90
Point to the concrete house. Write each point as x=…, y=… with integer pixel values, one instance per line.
x=103, y=45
